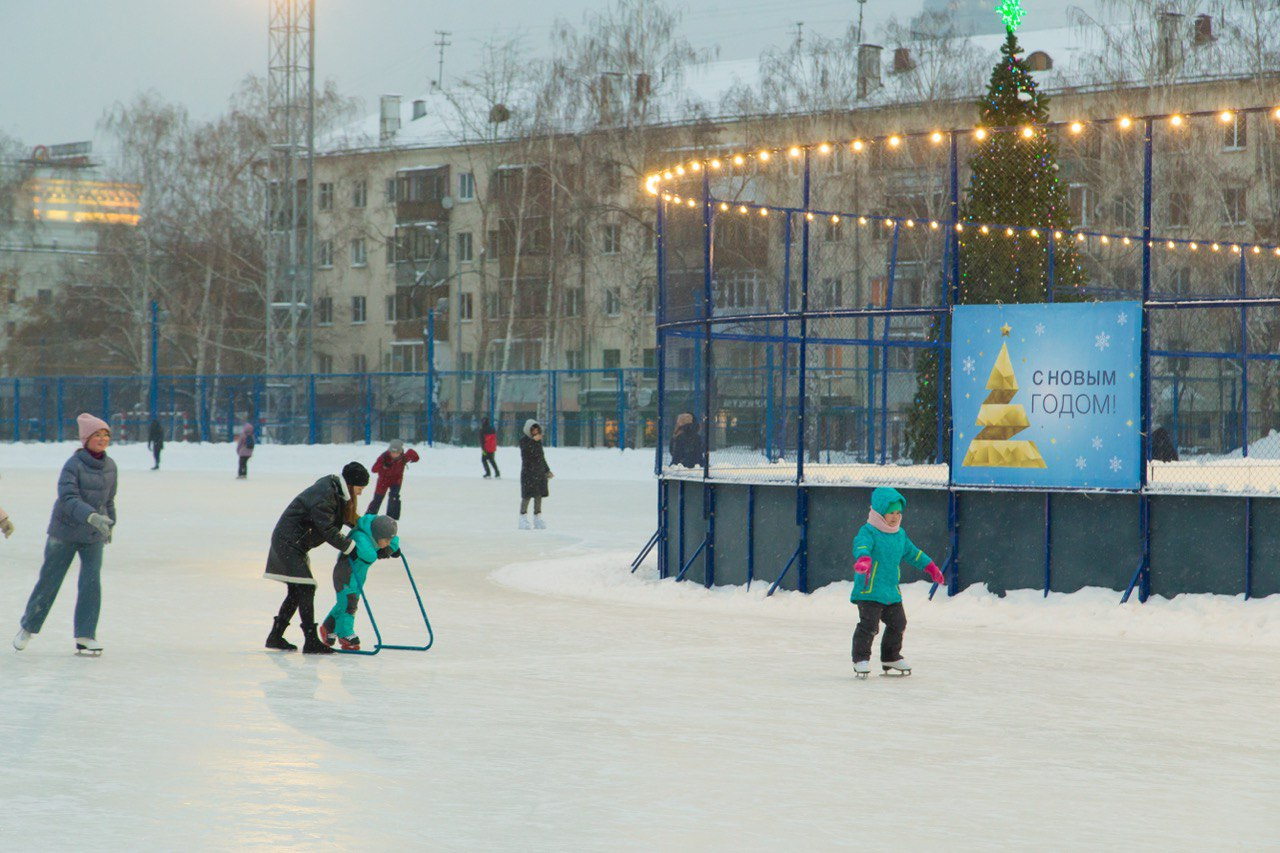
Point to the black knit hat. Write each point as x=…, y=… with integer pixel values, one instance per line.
x=355, y=474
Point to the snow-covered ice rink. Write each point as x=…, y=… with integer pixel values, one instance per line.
x=569, y=705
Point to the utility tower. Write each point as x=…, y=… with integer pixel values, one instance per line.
x=290, y=232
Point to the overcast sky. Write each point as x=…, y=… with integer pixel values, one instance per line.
x=64, y=62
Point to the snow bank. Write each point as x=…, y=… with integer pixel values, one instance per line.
x=1090, y=613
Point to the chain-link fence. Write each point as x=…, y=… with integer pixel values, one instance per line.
x=806, y=292
x=579, y=408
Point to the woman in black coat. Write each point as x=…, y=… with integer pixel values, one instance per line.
x=315, y=516
x=534, y=474
x=686, y=442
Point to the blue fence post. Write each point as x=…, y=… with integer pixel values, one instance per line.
x=554, y=401
x=884, y=350
x=622, y=412
x=708, y=259
x=155, y=357
x=368, y=410
x=1146, y=316
x=17, y=410
x=202, y=409
x=58, y=413
x=313, y=424
x=1244, y=359
x=709, y=561
x=802, y=383
x=660, y=310
x=106, y=398
x=768, y=404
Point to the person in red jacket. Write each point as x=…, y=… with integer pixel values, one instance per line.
x=390, y=470
x=488, y=447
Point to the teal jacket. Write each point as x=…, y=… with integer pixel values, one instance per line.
x=363, y=555
x=887, y=552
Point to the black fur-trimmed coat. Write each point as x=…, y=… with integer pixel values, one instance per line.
x=313, y=517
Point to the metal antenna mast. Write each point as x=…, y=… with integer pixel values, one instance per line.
x=290, y=233
x=442, y=41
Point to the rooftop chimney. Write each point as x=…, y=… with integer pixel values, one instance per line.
x=902, y=61
x=389, y=120
x=1168, y=42
x=868, y=69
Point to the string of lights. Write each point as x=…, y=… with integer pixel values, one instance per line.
x=1080, y=235
x=895, y=140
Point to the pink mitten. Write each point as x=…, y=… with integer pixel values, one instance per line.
x=862, y=566
x=935, y=573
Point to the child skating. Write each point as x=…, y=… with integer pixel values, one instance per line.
x=534, y=474
x=390, y=470
x=374, y=536
x=879, y=549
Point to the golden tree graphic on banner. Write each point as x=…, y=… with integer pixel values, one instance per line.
x=1000, y=421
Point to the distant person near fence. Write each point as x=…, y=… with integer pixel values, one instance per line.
x=155, y=441
x=489, y=447
x=244, y=449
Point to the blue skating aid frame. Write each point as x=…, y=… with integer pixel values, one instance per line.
x=378, y=644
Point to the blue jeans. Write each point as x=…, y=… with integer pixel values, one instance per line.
x=57, y=559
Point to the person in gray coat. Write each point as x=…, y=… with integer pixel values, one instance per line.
x=83, y=517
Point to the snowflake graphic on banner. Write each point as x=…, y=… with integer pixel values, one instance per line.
x=1039, y=328
x=1102, y=341
x=969, y=365
x=1080, y=463
x=1122, y=319
x=1097, y=442
x=1116, y=463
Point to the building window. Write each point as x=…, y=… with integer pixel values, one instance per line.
x=359, y=194
x=573, y=242
x=391, y=250
x=389, y=191
x=1235, y=134
x=358, y=304
x=358, y=256
x=464, y=247
x=1235, y=204
x=736, y=289
x=650, y=238
x=1040, y=61
x=393, y=304
x=324, y=311
x=466, y=306
x=611, y=176
x=573, y=302
x=611, y=239
x=44, y=296
x=1078, y=203
x=830, y=293
x=573, y=359
x=359, y=363
x=650, y=357
x=324, y=253
x=834, y=231
x=1179, y=210
x=649, y=293
x=324, y=363
x=612, y=359
x=324, y=198
x=466, y=186
x=612, y=302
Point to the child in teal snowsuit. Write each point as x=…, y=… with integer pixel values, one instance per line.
x=374, y=537
x=879, y=549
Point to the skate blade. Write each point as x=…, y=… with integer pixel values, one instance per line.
x=896, y=673
x=88, y=653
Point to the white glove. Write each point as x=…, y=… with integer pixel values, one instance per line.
x=100, y=523
x=6, y=527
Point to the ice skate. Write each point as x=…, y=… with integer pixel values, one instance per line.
x=88, y=647
x=349, y=644
x=896, y=667
x=538, y=523
x=524, y=523
x=21, y=638
x=861, y=668
x=325, y=636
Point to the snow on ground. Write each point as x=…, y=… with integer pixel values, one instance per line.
x=568, y=704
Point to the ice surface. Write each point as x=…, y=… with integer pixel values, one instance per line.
x=570, y=705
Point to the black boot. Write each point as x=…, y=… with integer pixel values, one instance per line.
x=312, y=644
x=276, y=640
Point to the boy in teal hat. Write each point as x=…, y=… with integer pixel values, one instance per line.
x=374, y=537
x=878, y=552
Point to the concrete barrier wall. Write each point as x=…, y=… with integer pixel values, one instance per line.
x=1198, y=543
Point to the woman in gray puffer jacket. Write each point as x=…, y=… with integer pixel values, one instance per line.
x=83, y=516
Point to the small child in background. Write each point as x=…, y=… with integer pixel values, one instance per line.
x=390, y=470
x=879, y=549
x=375, y=537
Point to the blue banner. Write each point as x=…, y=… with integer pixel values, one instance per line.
x=1047, y=395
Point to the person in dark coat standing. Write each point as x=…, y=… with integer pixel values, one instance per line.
x=389, y=466
x=488, y=447
x=315, y=516
x=83, y=517
x=534, y=474
x=155, y=442
x=686, y=442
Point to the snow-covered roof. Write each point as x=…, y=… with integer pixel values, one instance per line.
x=1091, y=55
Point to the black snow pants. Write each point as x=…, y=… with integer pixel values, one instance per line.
x=870, y=615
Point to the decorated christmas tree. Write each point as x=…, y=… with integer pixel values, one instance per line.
x=1001, y=419
x=1013, y=182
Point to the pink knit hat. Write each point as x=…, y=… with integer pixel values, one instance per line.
x=89, y=425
